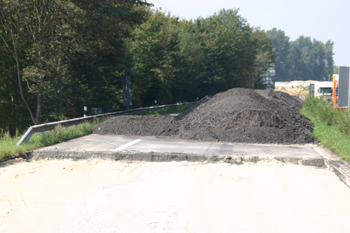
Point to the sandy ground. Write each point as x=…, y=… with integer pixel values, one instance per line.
x=109, y=196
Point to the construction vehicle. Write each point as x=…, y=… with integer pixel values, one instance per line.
x=335, y=90
x=322, y=89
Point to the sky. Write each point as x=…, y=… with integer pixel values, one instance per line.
x=322, y=20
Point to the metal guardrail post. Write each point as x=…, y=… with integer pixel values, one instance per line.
x=66, y=123
x=25, y=136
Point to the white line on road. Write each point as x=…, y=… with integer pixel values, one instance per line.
x=318, y=151
x=127, y=145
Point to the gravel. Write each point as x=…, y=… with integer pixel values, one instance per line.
x=237, y=115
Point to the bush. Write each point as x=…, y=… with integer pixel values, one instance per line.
x=332, y=126
x=326, y=113
x=8, y=148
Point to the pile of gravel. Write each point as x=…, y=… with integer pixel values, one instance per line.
x=237, y=115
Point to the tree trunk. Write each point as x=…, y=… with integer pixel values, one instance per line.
x=19, y=76
x=12, y=130
x=38, y=109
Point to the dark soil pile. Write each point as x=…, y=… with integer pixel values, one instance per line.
x=237, y=115
x=147, y=125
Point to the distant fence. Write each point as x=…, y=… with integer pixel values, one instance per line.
x=76, y=121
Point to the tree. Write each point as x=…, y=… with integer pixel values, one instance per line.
x=100, y=66
x=335, y=69
x=311, y=59
x=193, y=52
x=156, y=59
x=281, y=46
x=180, y=60
x=329, y=59
x=302, y=59
x=43, y=31
x=265, y=58
x=13, y=113
x=62, y=54
x=231, y=50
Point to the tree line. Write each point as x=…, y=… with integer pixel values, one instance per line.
x=301, y=59
x=179, y=60
x=58, y=56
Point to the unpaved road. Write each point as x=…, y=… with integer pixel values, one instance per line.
x=110, y=196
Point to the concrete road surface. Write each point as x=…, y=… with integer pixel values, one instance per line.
x=119, y=185
x=120, y=147
x=89, y=196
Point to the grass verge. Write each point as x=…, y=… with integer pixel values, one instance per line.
x=8, y=148
x=332, y=126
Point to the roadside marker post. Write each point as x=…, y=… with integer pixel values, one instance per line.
x=344, y=87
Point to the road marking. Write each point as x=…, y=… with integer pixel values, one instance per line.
x=319, y=152
x=127, y=145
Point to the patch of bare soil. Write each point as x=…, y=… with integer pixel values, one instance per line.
x=237, y=115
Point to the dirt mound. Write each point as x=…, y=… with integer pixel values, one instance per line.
x=237, y=115
x=148, y=125
x=282, y=98
x=196, y=105
x=258, y=126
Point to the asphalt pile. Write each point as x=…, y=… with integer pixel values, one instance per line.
x=237, y=115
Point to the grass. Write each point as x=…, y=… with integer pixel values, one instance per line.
x=8, y=148
x=332, y=129
x=332, y=126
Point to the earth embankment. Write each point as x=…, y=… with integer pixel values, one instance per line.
x=237, y=115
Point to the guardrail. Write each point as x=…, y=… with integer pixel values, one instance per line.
x=76, y=121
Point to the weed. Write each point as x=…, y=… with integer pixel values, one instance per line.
x=9, y=149
x=332, y=126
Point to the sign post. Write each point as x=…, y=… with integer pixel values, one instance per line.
x=127, y=91
x=344, y=87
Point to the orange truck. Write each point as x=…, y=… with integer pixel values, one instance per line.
x=335, y=91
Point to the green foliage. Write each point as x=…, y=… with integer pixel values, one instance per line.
x=302, y=59
x=331, y=137
x=8, y=148
x=332, y=126
x=335, y=69
x=156, y=59
x=281, y=46
x=40, y=36
x=324, y=112
x=311, y=59
x=265, y=58
x=100, y=66
x=181, y=60
x=57, y=56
